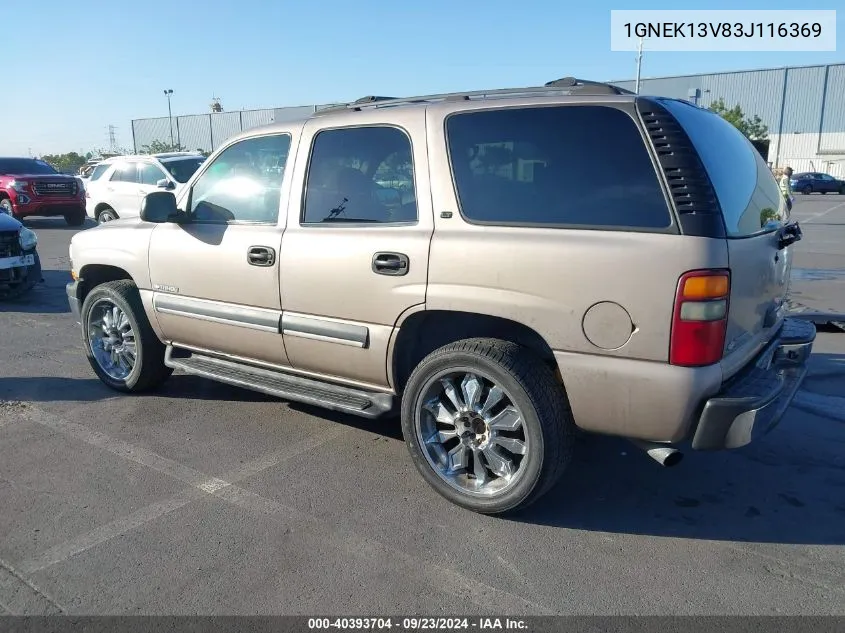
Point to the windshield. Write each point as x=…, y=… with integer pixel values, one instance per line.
x=25, y=166
x=183, y=168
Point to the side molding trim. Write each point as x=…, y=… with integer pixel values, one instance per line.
x=325, y=330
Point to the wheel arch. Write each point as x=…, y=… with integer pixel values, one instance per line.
x=92, y=275
x=421, y=331
x=100, y=206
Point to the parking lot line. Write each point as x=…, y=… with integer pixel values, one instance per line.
x=823, y=213
x=107, y=532
x=204, y=484
x=21, y=597
x=340, y=537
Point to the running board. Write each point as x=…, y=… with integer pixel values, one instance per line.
x=286, y=386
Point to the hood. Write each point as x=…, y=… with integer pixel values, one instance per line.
x=8, y=223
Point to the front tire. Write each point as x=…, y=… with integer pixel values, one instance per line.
x=106, y=214
x=487, y=425
x=120, y=344
x=75, y=218
x=807, y=190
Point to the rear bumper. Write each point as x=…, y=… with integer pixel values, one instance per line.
x=752, y=403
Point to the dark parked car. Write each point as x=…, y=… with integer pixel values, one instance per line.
x=20, y=267
x=816, y=182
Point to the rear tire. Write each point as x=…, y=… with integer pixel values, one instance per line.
x=488, y=458
x=76, y=218
x=807, y=190
x=6, y=205
x=120, y=344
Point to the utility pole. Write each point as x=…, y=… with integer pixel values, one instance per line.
x=112, y=139
x=167, y=94
x=639, y=64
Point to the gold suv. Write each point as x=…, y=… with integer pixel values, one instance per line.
x=500, y=268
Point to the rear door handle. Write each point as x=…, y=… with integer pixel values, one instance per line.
x=261, y=256
x=391, y=264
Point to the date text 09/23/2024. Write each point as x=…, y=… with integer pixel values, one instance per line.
x=417, y=624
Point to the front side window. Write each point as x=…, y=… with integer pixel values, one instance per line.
x=98, y=171
x=182, y=168
x=149, y=174
x=244, y=182
x=748, y=193
x=125, y=172
x=362, y=174
x=582, y=166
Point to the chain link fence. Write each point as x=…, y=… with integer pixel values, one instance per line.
x=206, y=132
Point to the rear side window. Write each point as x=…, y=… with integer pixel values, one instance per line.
x=582, y=166
x=748, y=193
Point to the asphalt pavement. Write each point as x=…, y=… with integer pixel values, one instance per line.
x=207, y=499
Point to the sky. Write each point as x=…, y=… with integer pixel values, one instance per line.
x=77, y=66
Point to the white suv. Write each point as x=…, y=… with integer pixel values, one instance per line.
x=117, y=185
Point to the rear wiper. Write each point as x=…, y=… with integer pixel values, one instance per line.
x=789, y=234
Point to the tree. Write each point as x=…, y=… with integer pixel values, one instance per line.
x=66, y=163
x=752, y=127
x=160, y=147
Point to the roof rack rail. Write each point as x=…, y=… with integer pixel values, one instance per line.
x=565, y=85
x=599, y=86
x=372, y=99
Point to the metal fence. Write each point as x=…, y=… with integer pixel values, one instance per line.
x=206, y=132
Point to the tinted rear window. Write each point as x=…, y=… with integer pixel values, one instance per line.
x=748, y=192
x=584, y=166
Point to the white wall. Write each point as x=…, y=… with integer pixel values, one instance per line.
x=800, y=151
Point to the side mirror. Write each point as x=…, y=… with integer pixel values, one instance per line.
x=164, y=183
x=158, y=207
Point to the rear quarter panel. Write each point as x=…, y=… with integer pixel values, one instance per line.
x=618, y=379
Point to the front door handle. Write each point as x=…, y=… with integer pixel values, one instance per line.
x=261, y=256
x=391, y=264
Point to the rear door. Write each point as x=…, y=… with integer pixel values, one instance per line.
x=754, y=211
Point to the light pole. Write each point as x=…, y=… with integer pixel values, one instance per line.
x=639, y=64
x=167, y=94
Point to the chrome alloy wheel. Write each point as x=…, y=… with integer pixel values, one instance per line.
x=111, y=339
x=471, y=432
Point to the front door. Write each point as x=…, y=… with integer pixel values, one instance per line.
x=215, y=279
x=148, y=177
x=355, y=251
x=121, y=191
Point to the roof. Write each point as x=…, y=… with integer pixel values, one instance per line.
x=564, y=87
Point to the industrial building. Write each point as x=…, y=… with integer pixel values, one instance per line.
x=803, y=107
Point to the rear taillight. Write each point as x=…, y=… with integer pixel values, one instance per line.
x=700, y=318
